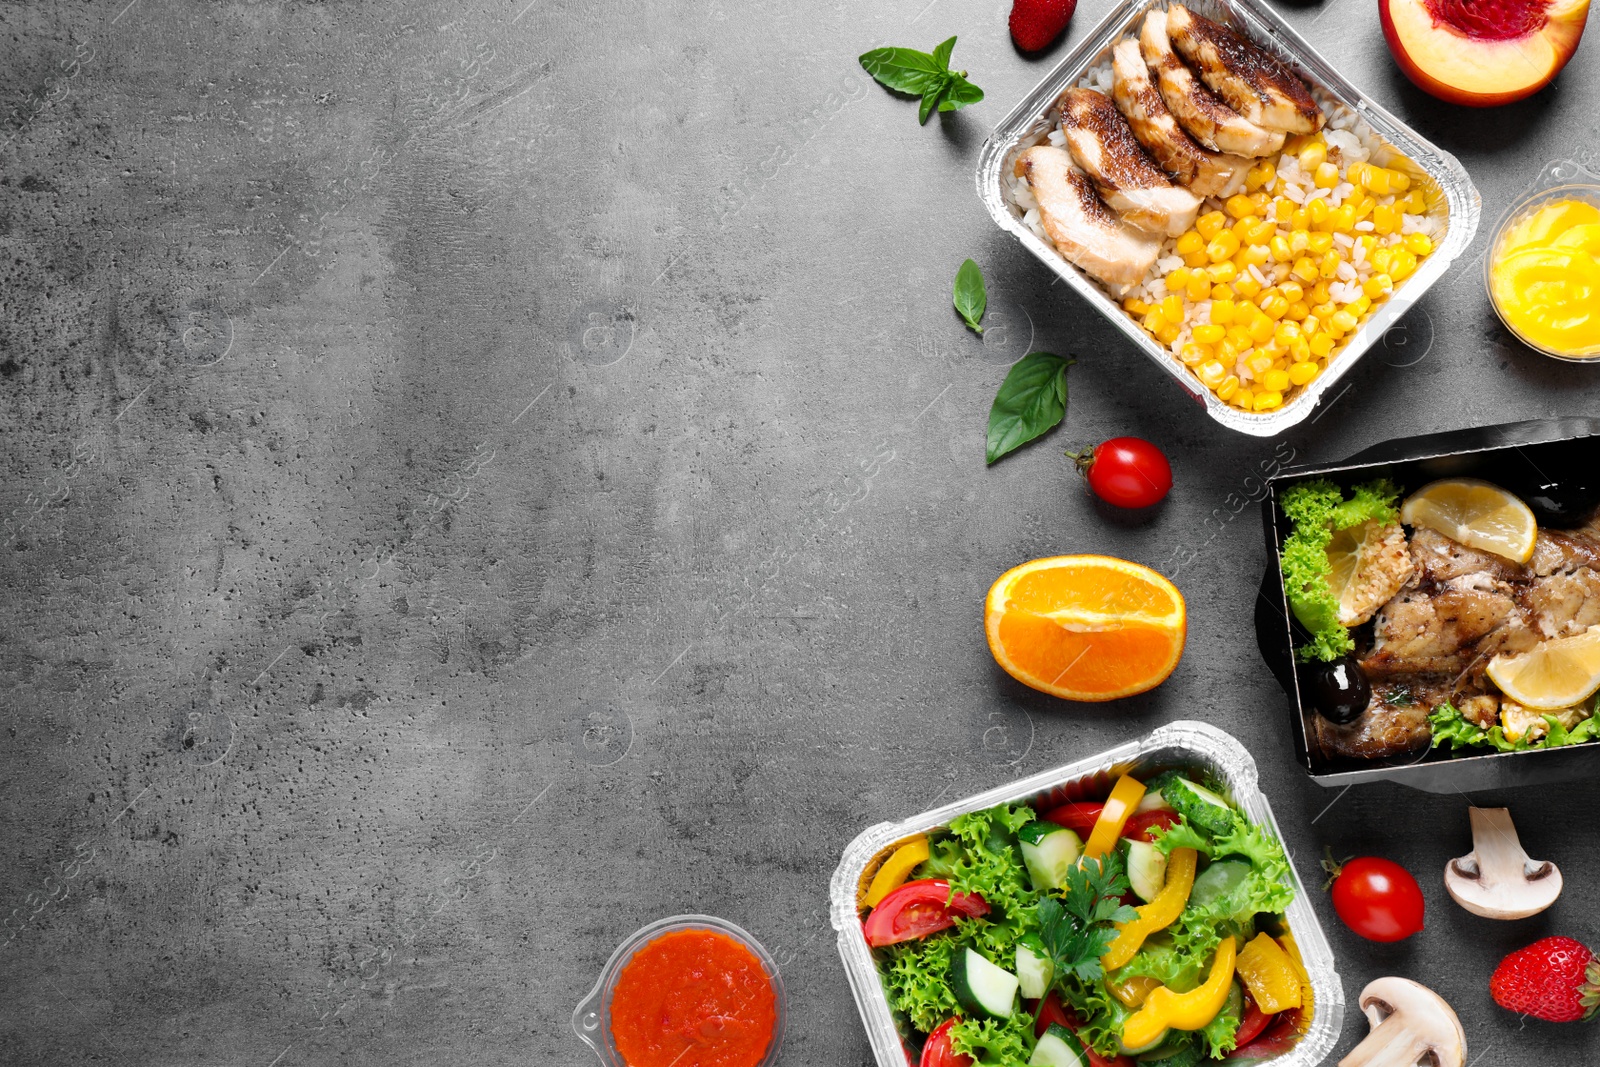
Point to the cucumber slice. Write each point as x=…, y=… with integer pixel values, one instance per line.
x=1128, y=1050
x=982, y=987
x=1034, y=969
x=1152, y=802
x=1147, y=869
x=1175, y=1053
x=1199, y=806
x=1058, y=1047
x=1219, y=881
x=1049, y=854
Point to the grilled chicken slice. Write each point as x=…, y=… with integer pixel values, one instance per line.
x=1127, y=179
x=1084, y=230
x=1202, y=171
x=1207, y=119
x=1249, y=80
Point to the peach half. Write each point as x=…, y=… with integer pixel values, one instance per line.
x=1482, y=53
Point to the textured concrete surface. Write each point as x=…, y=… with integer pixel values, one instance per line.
x=479, y=478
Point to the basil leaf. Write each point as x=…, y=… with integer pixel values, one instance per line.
x=941, y=54
x=962, y=93
x=969, y=295
x=905, y=70
x=931, y=99
x=1031, y=401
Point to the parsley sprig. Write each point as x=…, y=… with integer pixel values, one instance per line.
x=1078, y=928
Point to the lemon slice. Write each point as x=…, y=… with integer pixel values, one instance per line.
x=1477, y=514
x=1556, y=674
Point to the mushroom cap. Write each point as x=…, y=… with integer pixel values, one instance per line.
x=1426, y=1017
x=1496, y=879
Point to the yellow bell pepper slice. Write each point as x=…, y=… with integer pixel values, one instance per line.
x=1307, y=995
x=1132, y=991
x=1159, y=914
x=1125, y=796
x=1270, y=975
x=895, y=870
x=1183, y=1011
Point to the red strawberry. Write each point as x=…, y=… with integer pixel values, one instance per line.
x=1035, y=24
x=1555, y=978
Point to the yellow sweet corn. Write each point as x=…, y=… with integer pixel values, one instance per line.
x=1177, y=278
x=1378, y=285
x=1239, y=337
x=1302, y=373
x=1343, y=219
x=1359, y=306
x=1342, y=321
x=1172, y=309
x=1279, y=247
x=1275, y=381
x=1222, y=291
x=1321, y=345
x=1260, y=329
x=1195, y=354
x=1267, y=401
x=1190, y=242
x=1420, y=243
x=1222, y=272
x=1329, y=267
x=1323, y=310
x=1243, y=399
x=1168, y=334
x=1283, y=209
x=1417, y=202
x=1229, y=386
x=1222, y=312
x=1319, y=293
x=1222, y=246
x=1133, y=305
x=1376, y=179
x=1260, y=363
x=1260, y=174
x=1255, y=254
x=1300, y=351
x=1292, y=291
x=1385, y=219
x=1211, y=373
x=1313, y=156
x=1209, y=334
x=1239, y=205
x=1319, y=244
x=1318, y=211
x=1304, y=269
x=1199, y=286
x=1246, y=285
x=1326, y=176
x=1286, y=334
x=1300, y=220
x=1298, y=311
x=1399, y=181
x=1210, y=224
x=1259, y=231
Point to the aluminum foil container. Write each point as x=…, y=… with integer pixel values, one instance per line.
x=1453, y=200
x=1180, y=744
x=1519, y=457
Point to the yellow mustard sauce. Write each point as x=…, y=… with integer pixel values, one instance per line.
x=1545, y=278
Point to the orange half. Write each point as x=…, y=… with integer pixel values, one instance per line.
x=1086, y=628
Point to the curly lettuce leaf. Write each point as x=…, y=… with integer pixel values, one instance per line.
x=1269, y=887
x=1181, y=835
x=980, y=855
x=995, y=1042
x=1449, y=725
x=916, y=978
x=1103, y=1015
x=1318, y=508
x=1160, y=959
x=1219, y=1033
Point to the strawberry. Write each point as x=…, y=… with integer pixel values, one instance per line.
x=1555, y=978
x=1035, y=24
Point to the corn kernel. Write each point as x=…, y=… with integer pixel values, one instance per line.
x=1168, y=334
x=1260, y=329
x=1199, y=286
x=1222, y=272
x=1302, y=373
x=1359, y=306
x=1329, y=267
x=1190, y=242
x=1318, y=211
x=1343, y=219
x=1282, y=210
x=1367, y=243
x=1229, y=386
x=1320, y=244
x=1209, y=334
x=1323, y=310
x=1364, y=205
x=1300, y=220
x=1228, y=352
x=1267, y=401
x=1241, y=229
x=1356, y=174
x=1318, y=293
x=1154, y=320
x=1420, y=243
x=1239, y=205
x=1222, y=292
x=1343, y=321
x=1305, y=270
x=1275, y=381
x=1211, y=373
x=1279, y=248
x=1326, y=176
x=1399, y=181
x=1195, y=354
x=1196, y=259
x=1222, y=312
x=1259, y=231
x=1321, y=345
x=1299, y=241
x=1310, y=325
x=1260, y=174
x=1177, y=278
x=1210, y=224
x=1292, y=291
x=1300, y=351
x=1222, y=246
x=1376, y=180
x=1135, y=306
x=1243, y=399
x=1260, y=363
x=1257, y=255
x=1172, y=309
x=1239, y=337
x=1246, y=285
x=1381, y=259
x=1298, y=311
x=1313, y=156
x=1378, y=285
x=1385, y=219
x=1404, y=264
x=1286, y=334
x=1417, y=202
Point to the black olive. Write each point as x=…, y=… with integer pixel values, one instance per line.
x=1339, y=690
x=1564, y=504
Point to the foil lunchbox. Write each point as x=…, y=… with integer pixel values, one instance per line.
x=1456, y=209
x=1182, y=744
x=1519, y=457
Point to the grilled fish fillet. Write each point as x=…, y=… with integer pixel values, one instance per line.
x=1127, y=179
x=1207, y=119
x=1084, y=230
x=1249, y=80
x=1202, y=171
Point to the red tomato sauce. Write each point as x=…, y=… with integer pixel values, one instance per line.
x=693, y=998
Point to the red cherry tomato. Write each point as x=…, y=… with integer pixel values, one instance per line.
x=1255, y=1020
x=1051, y=1010
x=918, y=909
x=1082, y=817
x=1376, y=898
x=1126, y=471
x=1141, y=826
x=1281, y=1035
x=936, y=1051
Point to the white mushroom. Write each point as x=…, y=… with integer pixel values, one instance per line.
x=1411, y=1025
x=1497, y=879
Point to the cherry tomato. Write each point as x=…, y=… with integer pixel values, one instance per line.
x=1051, y=1010
x=1126, y=471
x=936, y=1051
x=1081, y=818
x=1250, y=1026
x=1376, y=898
x=1142, y=825
x=1281, y=1035
x=918, y=909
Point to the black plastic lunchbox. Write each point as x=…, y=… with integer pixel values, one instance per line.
x=1522, y=457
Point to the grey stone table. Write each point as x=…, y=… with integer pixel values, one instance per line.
x=481, y=477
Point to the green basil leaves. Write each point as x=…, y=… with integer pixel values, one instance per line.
x=1031, y=401
x=906, y=70
x=969, y=295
